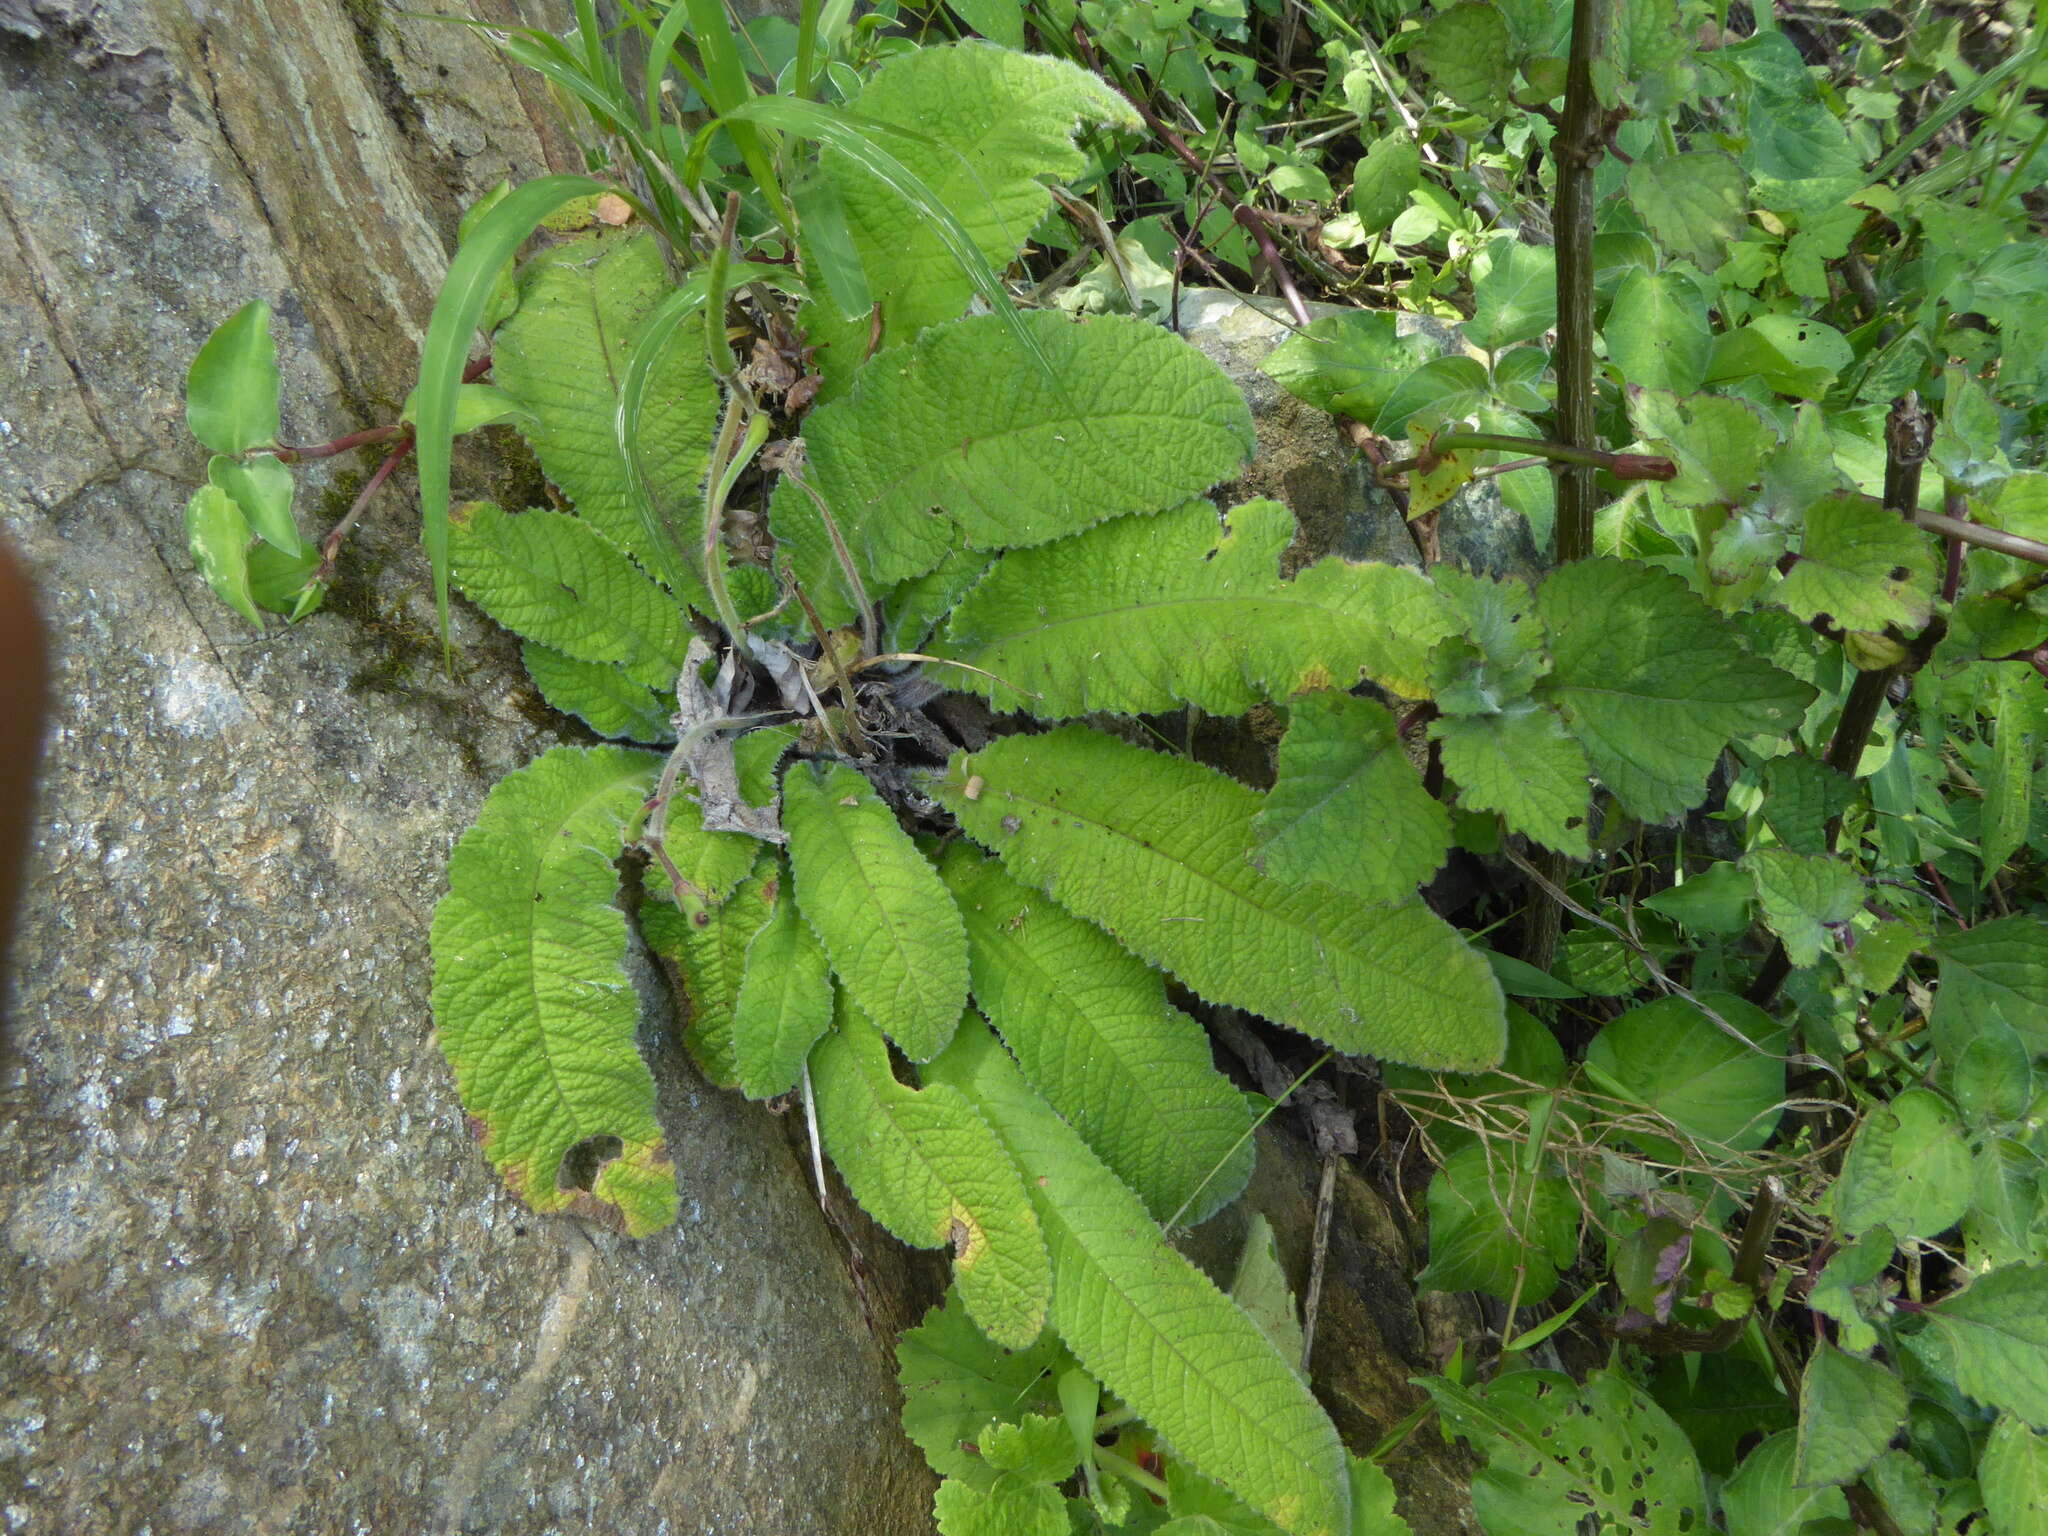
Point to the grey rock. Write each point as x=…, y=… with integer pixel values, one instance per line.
x=254, y=1277
x=1305, y=461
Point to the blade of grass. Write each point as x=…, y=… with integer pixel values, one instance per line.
x=467, y=288
x=725, y=79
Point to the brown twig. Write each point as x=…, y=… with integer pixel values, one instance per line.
x=330, y=547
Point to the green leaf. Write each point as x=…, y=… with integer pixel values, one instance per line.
x=1347, y=807
x=1907, y=1170
x=1519, y=761
x=1762, y=1500
x=556, y=579
x=1992, y=1079
x=1516, y=298
x=262, y=488
x=1390, y=171
x=1358, y=355
x=1992, y=975
x=478, y=406
x=1152, y=849
x=1696, y=204
x=1092, y=1029
x=504, y=293
x=703, y=940
x=1803, y=895
x=1801, y=795
x=926, y=1165
x=1670, y=1058
x=1788, y=355
x=984, y=130
x=2009, y=781
x=1260, y=1287
x=963, y=425
x=784, y=1002
x=1717, y=900
x=1498, y=1226
x=1654, y=683
x=601, y=695
x=956, y=1383
x=1719, y=443
x=1556, y=1452
x=1849, y=1409
x=444, y=355
x=877, y=906
x=283, y=581
x=1446, y=389
x=1467, y=53
x=563, y=357
x=1000, y=21
x=1993, y=1336
x=1861, y=565
x=1152, y=1327
x=1147, y=613
x=1657, y=332
x=217, y=537
x=231, y=389
x=531, y=1001
x=1009, y=1506
x=2014, y=1475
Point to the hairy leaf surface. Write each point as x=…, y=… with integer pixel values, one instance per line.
x=1150, y=1325
x=704, y=943
x=1092, y=1029
x=1654, y=683
x=1148, y=613
x=600, y=694
x=1862, y=565
x=531, y=999
x=1520, y=762
x=1991, y=1339
x=563, y=357
x=556, y=579
x=877, y=906
x=965, y=439
x=784, y=1002
x=1153, y=849
x=926, y=1165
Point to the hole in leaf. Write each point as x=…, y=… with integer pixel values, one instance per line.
x=582, y=1163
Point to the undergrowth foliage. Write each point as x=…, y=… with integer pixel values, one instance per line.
x=872, y=610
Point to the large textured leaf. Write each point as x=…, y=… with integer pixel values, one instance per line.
x=703, y=941
x=1803, y=895
x=985, y=129
x=1993, y=974
x=784, y=1002
x=1153, y=849
x=555, y=579
x=1147, y=613
x=1654, y=683
x=1849, y=1409
x=965, y=439
x=563, y=357
x=1152, y=1327
x=877, y=906
x=1348, y=808
x=601, y=695
x=1092, y=1029
x=1993, y=1337
x=1862, y=565
x=531, y=999
x=1909, y=1169
x=926, y=1165
x=1519, y=761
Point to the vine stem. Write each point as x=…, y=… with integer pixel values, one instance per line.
x=1623, y=466
x=330, y=547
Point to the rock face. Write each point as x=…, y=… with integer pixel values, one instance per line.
x=253, y=1276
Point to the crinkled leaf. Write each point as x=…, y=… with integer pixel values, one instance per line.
x=985, y=129
x=601, y=695
x=1669, y=1057
x=217, y=537
x=1092, y=1029
x=563, y=357
x=1151, y=1326
x=1993, y=1337
x=1359, y=355
x=1801, y=795
x=1556, y=1452
x=877, y=906
x=1803, y=895
x=1009, y=1505
x=1152, y=849
x=1147, y=613
x=231, y=389
x=2014, y=1475
x=1467, y=52
x=1697, y=204
x=1861, y=565
x=531, y=1001
x=1849, y=1409
x=703, y=941
x=1657, y=331
x=1520, y=762
x=784, y=1002
x=1498, y=1226
x=1907, y=1170
x=1347, y=807
x=926, y=1165
x=1653, y=683
x=962, y=439
x=555, y=578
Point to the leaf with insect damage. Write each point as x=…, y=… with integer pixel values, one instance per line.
x=702, y=939
x=531, y=1000
x=926, y=1165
